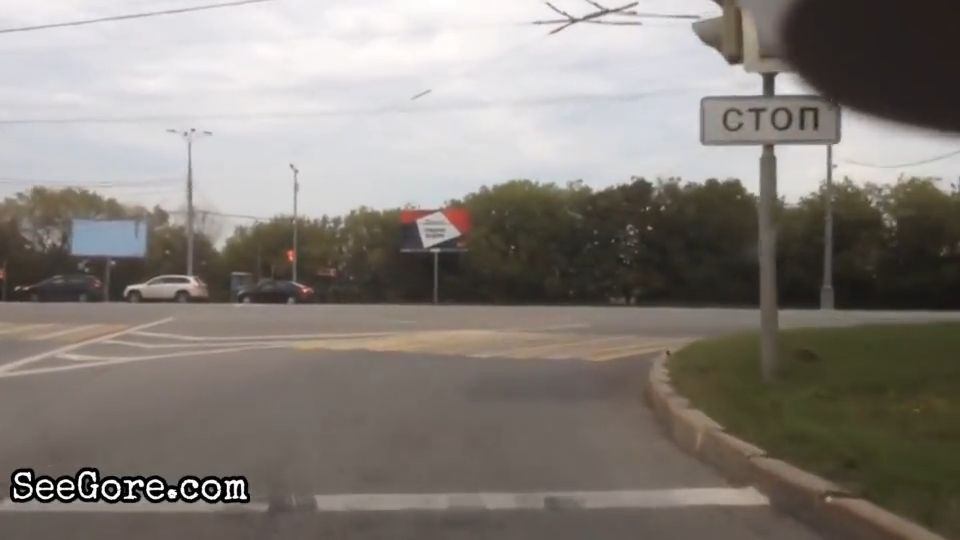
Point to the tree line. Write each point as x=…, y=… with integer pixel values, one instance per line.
x=666, y=242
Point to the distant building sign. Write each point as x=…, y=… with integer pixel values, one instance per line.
x=429, y=230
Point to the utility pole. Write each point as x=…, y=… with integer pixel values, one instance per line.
x=769, y=316
x=189, y=136
x=827, y=301
x=296, y=191
x=108, y=268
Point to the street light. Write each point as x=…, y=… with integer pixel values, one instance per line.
x=296, y=190
x=189, y=136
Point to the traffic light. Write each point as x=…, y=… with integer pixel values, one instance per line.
x=763, y=35
x=724, y=33
x=290, y=255
x=750, y=32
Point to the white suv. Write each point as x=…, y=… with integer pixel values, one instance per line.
x=177, y=288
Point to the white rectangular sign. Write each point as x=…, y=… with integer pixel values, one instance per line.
x=751, y=120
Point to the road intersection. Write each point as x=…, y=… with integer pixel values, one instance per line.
x=369, y=421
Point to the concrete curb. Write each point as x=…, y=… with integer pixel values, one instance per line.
x=816, y=501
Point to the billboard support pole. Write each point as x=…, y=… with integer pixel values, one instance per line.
x=436, y=276
x=106, y=280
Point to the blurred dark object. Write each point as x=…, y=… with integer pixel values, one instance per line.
x=896, y=59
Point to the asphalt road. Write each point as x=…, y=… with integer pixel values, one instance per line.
x=368, y=421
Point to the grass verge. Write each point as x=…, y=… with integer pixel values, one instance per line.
x=876, y=409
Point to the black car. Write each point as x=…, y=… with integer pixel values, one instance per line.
x=70, y=288
x=276, y=291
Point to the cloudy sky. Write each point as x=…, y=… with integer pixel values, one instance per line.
x=327, y=85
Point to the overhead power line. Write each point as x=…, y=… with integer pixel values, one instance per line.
x=908, y=164
x=603, y=15
x=409, y=108
x=129, y=16
x=94, y=184
x=224, y=215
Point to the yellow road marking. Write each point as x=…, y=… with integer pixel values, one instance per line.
x=20, y=329
x=492, y=344
x=577, y=348
x=58, y=330
x=452, y=343
x=516, y=342
x=635, y=349
x=91, y=332
x=542, y=350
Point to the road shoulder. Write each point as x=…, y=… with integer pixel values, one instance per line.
x=812, y=499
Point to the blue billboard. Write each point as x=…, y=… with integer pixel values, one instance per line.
x=116, y=239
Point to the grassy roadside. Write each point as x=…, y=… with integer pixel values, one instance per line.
x=875, y=409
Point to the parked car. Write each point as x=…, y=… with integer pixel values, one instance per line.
x=168, y=288
x=69, y=288
x=275, y=291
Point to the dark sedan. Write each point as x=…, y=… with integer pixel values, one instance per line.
x=276, y=292
x=70, y=288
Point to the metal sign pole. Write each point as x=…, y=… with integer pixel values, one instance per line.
x=769, y=317
x=827, y=301
x=436, y=276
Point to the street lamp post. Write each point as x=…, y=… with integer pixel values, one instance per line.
x=296, y=191
x=189, y=136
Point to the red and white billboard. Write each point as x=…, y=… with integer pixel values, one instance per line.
x=432, y=230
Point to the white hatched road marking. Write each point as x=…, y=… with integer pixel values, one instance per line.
x=183, y=346
x=181, y=354
x=442, y=502
x=473, y=343
x=6, y=369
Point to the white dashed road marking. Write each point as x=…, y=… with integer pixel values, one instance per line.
x=441, y=502
x=547, y=500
